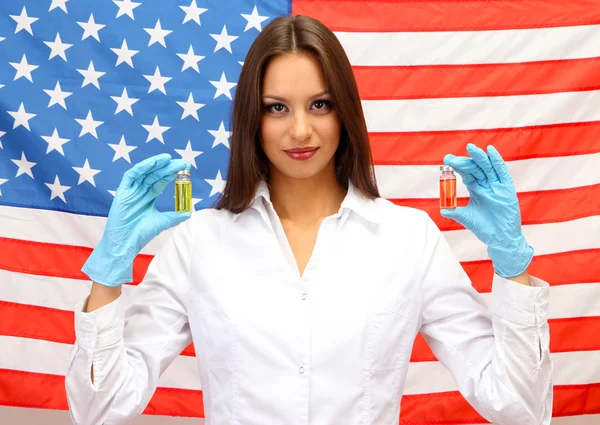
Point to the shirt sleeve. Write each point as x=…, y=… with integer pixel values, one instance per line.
x=130, y=341
x=499, y=359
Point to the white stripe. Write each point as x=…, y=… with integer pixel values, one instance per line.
x=567, y=370
x=566, y=301
x=470, y=47
x=60, y=228
x=23, y=354
x=529, y=175
x=474, y=113
x=547, y=238
x=19, y=415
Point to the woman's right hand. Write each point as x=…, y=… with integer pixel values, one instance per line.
x=133, y=220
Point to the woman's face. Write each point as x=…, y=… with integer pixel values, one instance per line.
x=300, y=129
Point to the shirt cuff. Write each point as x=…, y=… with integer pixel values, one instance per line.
x=526, y=305
x=100, y=328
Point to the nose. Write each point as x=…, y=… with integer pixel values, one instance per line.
x=301, y=126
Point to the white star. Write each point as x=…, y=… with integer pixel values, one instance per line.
x=122, y=150
x=112, y=192
x=124, y=54
x=24, y=165
x=223, y=87
x=126, y=7
x=224, y=40
x=91, y=75
x=192, y=12
x=57, y=96
x=57, y=189
x=59, y=3
x=157, y=81
x=2, y=133
x=2, y=181
x=23, y=21
x=124, y=102
x=221, y=136
x=157, y=34
x=21, y=117
x=155, y=131
x=190, y=60
x=188, y=154
x=218, y=184
x=254, y=20
x=88, y=125
x=190, y=107
x=91, y=28
x=86, y=174
x=58, y=48
x=23, y=69
x=55, y=142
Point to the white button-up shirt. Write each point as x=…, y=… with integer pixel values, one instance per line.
x=329, y=347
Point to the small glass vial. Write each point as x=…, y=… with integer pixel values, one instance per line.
x=447, y=187
x=183, y=191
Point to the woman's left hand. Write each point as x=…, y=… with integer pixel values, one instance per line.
x=492, y=213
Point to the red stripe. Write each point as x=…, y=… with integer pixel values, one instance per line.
x=36, y=390
x=429, y=148
x=55, y=260
x=548, y=206
x=443, y=15
x=506, y=79
x=28, y=321
x=39, y=390
x=566, y=335
x=557, y=269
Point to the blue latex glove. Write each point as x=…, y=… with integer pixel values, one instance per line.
x=133, y=219
x=493, y=213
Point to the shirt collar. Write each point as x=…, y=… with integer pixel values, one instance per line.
x=354, y=201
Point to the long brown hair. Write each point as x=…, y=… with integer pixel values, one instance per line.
x=248, y=163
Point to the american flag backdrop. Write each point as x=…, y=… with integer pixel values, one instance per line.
x=90, y=87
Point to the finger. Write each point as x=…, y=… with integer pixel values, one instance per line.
x=482, y=160
x=172, y=167
x=466, y=167
x=160, y=185
x=460, y=215
x=499, y=165
x=144, y=167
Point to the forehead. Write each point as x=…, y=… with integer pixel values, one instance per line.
x=294, y=75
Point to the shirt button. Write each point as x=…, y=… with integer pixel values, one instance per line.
x=87, y=337
x=301, y=370
x=304, y=296
x=87, y=324
x=542, y=314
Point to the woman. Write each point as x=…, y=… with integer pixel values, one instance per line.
x=303, y=290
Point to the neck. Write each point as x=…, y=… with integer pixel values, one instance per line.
x=306, y=201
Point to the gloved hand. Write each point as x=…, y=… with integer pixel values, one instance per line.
x=133, y=219
x=493, y=213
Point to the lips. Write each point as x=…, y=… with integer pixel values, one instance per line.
x=302, y=154
x=302, y=150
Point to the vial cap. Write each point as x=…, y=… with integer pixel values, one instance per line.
x=446, y=168
x=184, y=173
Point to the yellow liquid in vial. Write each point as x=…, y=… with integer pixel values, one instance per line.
x=183, y=196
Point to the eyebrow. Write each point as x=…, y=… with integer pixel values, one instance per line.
x=272, y=96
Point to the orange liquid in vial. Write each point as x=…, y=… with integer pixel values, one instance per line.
x=447, y=193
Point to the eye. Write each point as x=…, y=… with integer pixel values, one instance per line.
x=274, y=107
x=326, y=104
